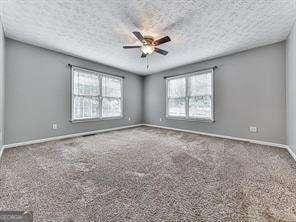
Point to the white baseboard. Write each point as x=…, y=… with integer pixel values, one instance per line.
x=1, y=151
x=66, y=136
x=222, y=136
x=291, y=153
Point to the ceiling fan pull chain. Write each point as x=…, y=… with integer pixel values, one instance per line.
x=147, y=63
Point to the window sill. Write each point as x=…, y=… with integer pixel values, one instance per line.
x=201, y=120
x=96, y=120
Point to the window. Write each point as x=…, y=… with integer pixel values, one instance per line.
x=190, y=96
x=95, y=95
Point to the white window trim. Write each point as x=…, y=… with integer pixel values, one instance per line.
x=187, y=118
x=101, y=118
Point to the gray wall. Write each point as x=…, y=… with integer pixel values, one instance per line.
x=291, y=89
x=2, y=45
x=38, y=94
x=249, y=91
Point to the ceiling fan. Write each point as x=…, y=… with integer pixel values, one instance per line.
x=148, y=44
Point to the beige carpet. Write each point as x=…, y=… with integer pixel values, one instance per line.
x=149, y=174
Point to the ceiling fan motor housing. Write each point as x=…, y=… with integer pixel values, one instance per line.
x=148, y=40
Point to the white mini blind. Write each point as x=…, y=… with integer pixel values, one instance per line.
x=95, y=95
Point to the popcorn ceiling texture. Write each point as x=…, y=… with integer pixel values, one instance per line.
x=97, y=30
x=148, y=174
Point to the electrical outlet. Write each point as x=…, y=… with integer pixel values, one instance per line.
x=55, y=126
x=160, y=119
x=253, y=129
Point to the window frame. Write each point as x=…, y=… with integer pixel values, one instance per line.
x=100, y=97
x=187, y=117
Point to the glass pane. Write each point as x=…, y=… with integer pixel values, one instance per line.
x=111, y=87
x=95, y=108
x=176, y=107
x=85, y=83
x=177, y=88
x=200, y=84
x=78, y=108
x=87, y=107
x=75, y=82
x=95, y=83
x=84, y=88
x=111, y=107
x=200, y=107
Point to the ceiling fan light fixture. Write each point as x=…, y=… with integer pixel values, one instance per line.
x=149, y=45
x=147, y=49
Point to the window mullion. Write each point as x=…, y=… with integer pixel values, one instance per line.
x=83, y=107
x=100, y=97
x=187, y=97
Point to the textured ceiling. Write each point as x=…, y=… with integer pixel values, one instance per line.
x=97, y=29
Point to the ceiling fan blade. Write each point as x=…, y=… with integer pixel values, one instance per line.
x=143, y=55
x=131, y=46
x=162, y=40
x=161, y=51
x=139, y=36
